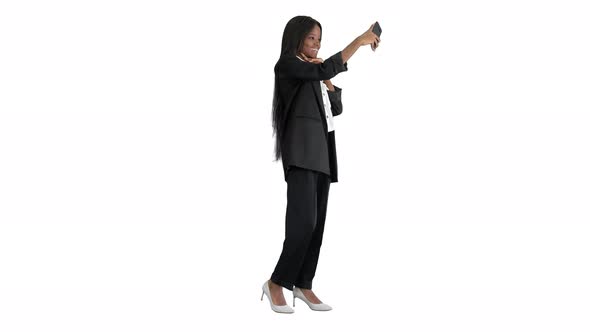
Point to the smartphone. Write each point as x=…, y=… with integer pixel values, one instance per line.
x=377, y=29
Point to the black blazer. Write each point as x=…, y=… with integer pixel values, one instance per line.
x=306, y=141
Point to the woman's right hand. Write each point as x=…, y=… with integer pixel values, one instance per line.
x=369, y=37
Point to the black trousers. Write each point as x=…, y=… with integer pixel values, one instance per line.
x=307, y=201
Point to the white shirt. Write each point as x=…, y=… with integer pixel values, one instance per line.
x=327, y=106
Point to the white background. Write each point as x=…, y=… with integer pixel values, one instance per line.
x=138, y=192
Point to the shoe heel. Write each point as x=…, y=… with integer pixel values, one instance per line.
x=262, y=296
x=313, y=306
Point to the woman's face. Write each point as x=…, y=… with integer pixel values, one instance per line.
x=312, y=43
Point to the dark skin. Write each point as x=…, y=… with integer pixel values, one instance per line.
x=309, y=52
x=312, y=44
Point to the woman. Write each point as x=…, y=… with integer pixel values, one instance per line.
x=304, y=104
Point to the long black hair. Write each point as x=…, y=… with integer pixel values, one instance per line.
x=293, y=36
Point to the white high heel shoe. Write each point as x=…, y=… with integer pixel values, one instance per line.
x=283, y=309
x=297, y=293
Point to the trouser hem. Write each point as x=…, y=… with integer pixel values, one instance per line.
x=286, y=284
x=304, y=285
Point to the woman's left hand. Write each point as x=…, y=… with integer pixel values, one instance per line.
x=312, y=60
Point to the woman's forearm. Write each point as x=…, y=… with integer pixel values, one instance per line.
x=350, y=49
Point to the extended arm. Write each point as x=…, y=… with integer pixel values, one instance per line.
x=367, y=38
x=350, y=49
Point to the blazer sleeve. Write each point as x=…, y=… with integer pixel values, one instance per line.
x=336, y=100
x=290, y=67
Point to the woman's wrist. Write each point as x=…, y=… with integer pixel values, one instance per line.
x=328, y=84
